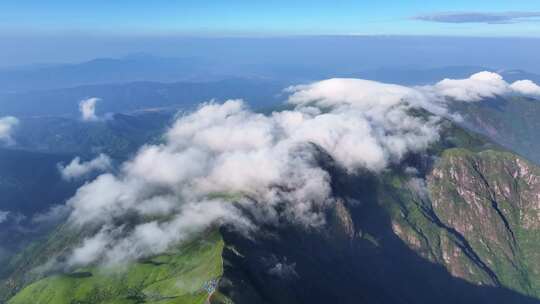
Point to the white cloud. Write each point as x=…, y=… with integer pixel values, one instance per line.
x=7, y=124
x=87, y=108
x=477, y=87
x=481, y=86
x=91, y=249
x=526, y=87
x=265, y=163
x=76, y=168
x=368, y=115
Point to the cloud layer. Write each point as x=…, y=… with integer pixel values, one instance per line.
x=76, y=169
x=526, y=88
x=224, y=161
x=87, y=108
x=483, y=85
x=7, y=124
x=226, y=165
x=479, y=17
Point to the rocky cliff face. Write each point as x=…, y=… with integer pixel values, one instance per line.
x=484, y=210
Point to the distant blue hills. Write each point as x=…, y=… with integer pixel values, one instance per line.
x=142, y=81
x=100, y=71
x=148, y=68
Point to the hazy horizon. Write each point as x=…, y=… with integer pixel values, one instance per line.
x=363, y=52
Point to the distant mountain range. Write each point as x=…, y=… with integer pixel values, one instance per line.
x=101, y=71
x=148, y=68
x=142, y=81
x=134, y=96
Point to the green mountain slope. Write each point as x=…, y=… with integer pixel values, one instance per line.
x=119, y=135
x=177, y=276
x=481, y=219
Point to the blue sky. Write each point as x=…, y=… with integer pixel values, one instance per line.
x=277, y=17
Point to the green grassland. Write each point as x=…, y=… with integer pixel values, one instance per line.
x=176, y=276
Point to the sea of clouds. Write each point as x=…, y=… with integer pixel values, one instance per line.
x=224, y=164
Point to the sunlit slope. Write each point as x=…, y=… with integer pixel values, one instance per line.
x=181, y=275
x=479, y=218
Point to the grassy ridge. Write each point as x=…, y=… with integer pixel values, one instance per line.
x=174, y=277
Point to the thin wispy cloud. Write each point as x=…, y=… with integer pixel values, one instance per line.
x=480, y=17
x=77, y=169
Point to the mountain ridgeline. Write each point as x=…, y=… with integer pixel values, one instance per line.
x=510, y=121
x=457, y=224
